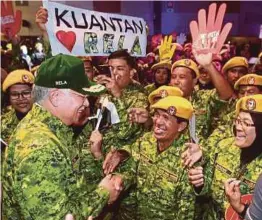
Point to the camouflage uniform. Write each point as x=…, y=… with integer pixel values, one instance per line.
x=207, y=106
x=226, y=164
x=45, y=176
x=150, y=88
x=162, y=188
x=9, y=122
x=125, y=132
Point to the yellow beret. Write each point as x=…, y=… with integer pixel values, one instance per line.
x=18, y=76
x=249, y=80
x=234, y=62
x=252, y=103
x=164, y=91
x=162, y=64
x=175, y=106
x=188, y=64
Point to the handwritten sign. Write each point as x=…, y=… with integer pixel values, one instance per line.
x=82, y=32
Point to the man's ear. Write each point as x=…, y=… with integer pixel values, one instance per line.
x=182, y=126
x=132, y=73
x=195, y=81
x=54, y=97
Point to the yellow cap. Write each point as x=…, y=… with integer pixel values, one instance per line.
x=162, y=64
x=186, y=63
x=164, y=91
x=249, y=80
x=234, y=62
x=175, y=106
x=18, y=76
x=252, y=103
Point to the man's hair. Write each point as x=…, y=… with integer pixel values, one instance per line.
x=123, y=54
x=40, y=93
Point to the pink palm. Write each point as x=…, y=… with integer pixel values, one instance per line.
x=10, y=23
x=206, y=34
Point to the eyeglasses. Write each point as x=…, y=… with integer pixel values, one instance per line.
x=16, y=95
x=243, y=123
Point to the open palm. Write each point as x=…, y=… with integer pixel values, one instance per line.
x=206, y=35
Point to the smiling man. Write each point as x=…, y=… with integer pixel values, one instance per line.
x=124, y=94
x=17, y=86
x=162, y=189
x=45, y=173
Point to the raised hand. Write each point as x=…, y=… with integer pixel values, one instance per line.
x=166, y=49
x=41, y=18
x=232, y=191
x=10, y=22
x=181, y=39
x=138, y=115
x=191, y=155
x=110, y=83
x=207, y=36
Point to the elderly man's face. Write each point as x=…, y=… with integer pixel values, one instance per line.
x=183, y=78
x=73, y=107
x=166, y=127
x=20, y=97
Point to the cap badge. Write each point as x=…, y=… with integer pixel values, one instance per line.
x=25, y=79
x=250, y=104
x=187, y=62
x=251, y=80
x=163, y=93
x=171, y=110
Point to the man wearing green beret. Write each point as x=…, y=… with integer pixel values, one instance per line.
x=45, y=174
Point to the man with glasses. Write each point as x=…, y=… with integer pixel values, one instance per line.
x=46, y=175
x=17, y=87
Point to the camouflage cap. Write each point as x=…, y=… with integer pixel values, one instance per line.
x=66, y=72
x=175, y=106
x=252, y=103
x=248, y=80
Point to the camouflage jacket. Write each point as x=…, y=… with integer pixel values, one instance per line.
x=150, y=88
x=9, y=122
x=46, y=176
x=226, y=164
x=207, y=105
x=162, y=187
x=125, y=132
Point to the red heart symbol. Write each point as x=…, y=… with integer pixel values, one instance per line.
x=68, y=39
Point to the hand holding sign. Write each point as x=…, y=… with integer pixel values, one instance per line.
x=10, y=23
x=206, y=36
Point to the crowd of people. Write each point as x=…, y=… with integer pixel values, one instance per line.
x=90, y=138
